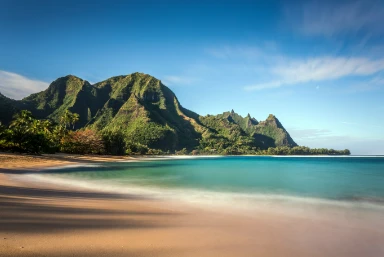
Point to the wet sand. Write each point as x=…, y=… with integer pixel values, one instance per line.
x=50, y=220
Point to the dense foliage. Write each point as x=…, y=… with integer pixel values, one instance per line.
x=27, y=134
x=30, y=135
x=133, y=114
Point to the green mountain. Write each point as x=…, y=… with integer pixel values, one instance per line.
x=68, y=92
x=146, y=112
x=230, y=133
x=268, y=133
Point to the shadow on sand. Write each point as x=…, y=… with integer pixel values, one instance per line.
x=32, y=210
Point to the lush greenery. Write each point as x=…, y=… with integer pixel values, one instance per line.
x=133, y=114
x=30, y=135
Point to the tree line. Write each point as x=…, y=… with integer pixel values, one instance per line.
x=30, y=135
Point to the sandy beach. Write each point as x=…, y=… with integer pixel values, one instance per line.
x=38, y=219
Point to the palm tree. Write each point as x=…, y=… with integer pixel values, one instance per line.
x=75, y=118
x=20, y=126
x=46, y=126
x=22, y=120
x=69, y=119
x=65, y=119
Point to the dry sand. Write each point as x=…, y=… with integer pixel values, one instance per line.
x=48, y=220
x=16, y=162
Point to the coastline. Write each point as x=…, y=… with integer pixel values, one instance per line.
x=43, y=219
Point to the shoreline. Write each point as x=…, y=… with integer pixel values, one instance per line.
x=42, y=219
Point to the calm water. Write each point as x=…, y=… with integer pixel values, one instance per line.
x=351, y=179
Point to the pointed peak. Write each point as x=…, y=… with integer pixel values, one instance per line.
x=249, y=115
x=232, y=111
x=69, y=77
x=141, y=74
x=272, y=120
x=69, y=82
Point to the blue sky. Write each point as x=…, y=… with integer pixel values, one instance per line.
x=317, y=65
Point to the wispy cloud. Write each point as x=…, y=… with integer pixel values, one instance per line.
x=17, y=86
x=296, y=71
x=310, y=133
x=317, y=139
x=375, y=83
x=349, y=123
x=361, y=124
x=178, y=80
x=333, y=18
x=272, y=69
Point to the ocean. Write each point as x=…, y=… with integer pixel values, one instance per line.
x=239, y=181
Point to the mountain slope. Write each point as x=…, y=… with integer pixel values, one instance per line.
x=8, y=107
x=146, y=112
x=272, y=128
x=245, y=123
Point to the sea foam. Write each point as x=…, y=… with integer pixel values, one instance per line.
x=214, y=199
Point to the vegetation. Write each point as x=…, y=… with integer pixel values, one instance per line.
x=133, y=114
x=27, y=134
x=303, y=150
x=30, y=135
x=85, y=141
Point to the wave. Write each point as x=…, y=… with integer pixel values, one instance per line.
x=173, y=157
x=216, y=199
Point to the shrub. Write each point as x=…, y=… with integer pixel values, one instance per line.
x=83, y=142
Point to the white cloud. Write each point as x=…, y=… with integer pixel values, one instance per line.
x=178, y=80
x=16, y=86
x=296, y=71
x=338, y=18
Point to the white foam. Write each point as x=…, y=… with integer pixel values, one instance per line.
x=211, y=199
x=194, y=156
x=73, y=166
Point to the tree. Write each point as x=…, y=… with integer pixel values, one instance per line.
x=20, y=128
x=114, y=142
x=183, y=151
x=28, y=134
x=85, y=141
x=69, y=119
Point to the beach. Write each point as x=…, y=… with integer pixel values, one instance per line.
x=46, y=219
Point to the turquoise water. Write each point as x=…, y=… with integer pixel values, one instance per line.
x=329, y=178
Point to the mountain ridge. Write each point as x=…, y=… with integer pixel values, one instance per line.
x=147, y=113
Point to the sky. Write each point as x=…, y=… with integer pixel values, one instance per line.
x=318, y=66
